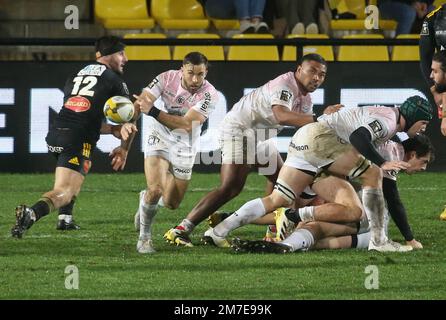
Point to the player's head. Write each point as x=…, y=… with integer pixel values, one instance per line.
x=311, y=71
x=110, y=51
x=417, y=112
x=438, y=73
x=194, y=69
x=418, y=152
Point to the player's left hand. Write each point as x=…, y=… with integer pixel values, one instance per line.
x=414, y=244
x=127, y=129
x=333, y=108
x=119, y=158
x=144, y=103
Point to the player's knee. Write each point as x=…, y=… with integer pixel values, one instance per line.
x=153, y=194
x=372, y=176
x=228, y=192
x=354, y=213
x=172, y=204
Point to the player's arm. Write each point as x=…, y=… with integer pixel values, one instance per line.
x=287, y=117
x=187, y=122
x=361, y=139
x=398, y=211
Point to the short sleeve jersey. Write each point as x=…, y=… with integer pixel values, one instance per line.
x=177, y=100
x=85, y=94
x=254, y=110
x=380, y=121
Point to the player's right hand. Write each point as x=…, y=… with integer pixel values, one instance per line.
x=333, y=108
x=395, y=165
x=127, y=129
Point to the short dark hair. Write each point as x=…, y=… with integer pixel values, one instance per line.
x=312, y=57
x=195, y=58
x=108, y=45
x=440, y=56
x=421, y=144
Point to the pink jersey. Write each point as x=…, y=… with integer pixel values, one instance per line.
x=382, y=122
x=177, y=100
x=254, y=110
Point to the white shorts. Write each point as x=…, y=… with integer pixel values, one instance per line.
x=315, y=146
x=243, y=148
x=159, y=141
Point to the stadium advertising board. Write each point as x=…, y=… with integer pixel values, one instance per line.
x=31, y=94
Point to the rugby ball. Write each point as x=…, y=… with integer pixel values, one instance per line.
x=119, y=109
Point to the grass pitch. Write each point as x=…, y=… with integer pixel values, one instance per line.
x=104, y=250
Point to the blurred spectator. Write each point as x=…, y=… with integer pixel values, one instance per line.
x=301, y=15
x=405, y=12
x=248, y=12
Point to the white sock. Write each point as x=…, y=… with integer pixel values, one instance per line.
x=300, y=239
x=306, y=213
x=248, y=212
x=187, y=225
x=161, y=202
x=363, y=240
x=67, y=217
x=147, y=213
x=373, y=202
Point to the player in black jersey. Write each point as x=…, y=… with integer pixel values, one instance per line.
x=433, y=38
x=76, y=131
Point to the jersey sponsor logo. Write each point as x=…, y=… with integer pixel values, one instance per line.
x=184, y=171
x=305, y=109
x=425, y=29
x=375, y=126
x=126, y=89
x=299, y=148
x=92, y=70
x=77, y=104
x=153, y=140
x=180, y=100
x=153, y=83
x=207, y=101
x=285, y=95
x=54, y=149
x=74, y=160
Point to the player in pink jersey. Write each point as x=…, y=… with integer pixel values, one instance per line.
x=343, y=144
x=170, y=143
x=245, y=132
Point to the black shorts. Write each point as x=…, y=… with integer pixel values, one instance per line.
x=70, y=148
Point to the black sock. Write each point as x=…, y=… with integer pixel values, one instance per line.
x=293, y=215
x=354, y=241
x=67, y=209
x=41, y=209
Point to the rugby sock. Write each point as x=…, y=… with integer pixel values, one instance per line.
x=147, y=213
x=293, y=215
x=361, y=241
x=306, y=213
x=66, y=212
x=187, y=226
x=373, y=202
x=300, y=239
x=247, y=213
x=161, y=202
x=42, y=207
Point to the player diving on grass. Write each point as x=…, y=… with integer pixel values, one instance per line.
x=331, y=232
x=343, y=144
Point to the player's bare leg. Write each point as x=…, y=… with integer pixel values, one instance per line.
x=67, y=184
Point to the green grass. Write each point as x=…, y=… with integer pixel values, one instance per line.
x=110, y=268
